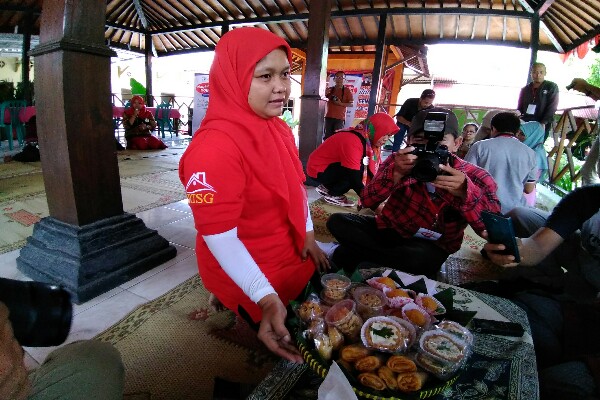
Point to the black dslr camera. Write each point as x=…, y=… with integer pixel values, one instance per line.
x=431, y=154
x=40, y=313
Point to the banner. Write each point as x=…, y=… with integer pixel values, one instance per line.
x=200, y=100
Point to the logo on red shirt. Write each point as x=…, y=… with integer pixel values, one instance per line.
x=198, y=191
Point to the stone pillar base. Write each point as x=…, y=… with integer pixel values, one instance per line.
x=92, y=259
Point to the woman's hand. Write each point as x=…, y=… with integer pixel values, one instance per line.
x=272, y=331
x=14, y=382
x=311, y=248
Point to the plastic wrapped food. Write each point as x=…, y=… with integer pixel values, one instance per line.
x=343, y=316
x=385, y=334
x=370, y=302
x=310, y=308
x=335, y=287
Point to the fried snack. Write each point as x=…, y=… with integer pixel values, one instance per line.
x=397, y=293
x=370, y=379
x=354, y=352
x=336, y=337
x=416, y=317
x=323, y=345
x=309, y=310
x=368, y=364
x=401, y=364
x=388, y=376
x=431, y=304
x=387, y=281
x=411, y=381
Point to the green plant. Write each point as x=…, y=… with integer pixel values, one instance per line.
x=565, y=182
x=289, y=119
x=7, y=91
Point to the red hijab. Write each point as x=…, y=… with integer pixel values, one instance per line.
x=143, y=111
x=267, y=145
x=374, y=128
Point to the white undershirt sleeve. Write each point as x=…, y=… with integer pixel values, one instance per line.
x=309, y=223
x=237, y=262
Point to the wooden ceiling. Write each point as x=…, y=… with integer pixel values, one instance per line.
x=180, y=26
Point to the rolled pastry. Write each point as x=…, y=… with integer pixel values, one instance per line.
x=369, y=379
x=354, y=352
x=411, y=381
x=401, y=364
x=368, y=364
x=388, y=376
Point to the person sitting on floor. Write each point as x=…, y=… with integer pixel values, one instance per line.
x=139, y=124
x=512, y=164
x=557, y=283
x=421, y=223
x=339, y=163
x=244, y=181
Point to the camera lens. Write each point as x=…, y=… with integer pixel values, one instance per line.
x=40, y=313
x=426, y=168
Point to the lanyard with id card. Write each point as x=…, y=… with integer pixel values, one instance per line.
x=424, y=233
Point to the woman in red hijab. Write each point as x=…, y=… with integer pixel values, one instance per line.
x=339, y=162
x=244, y=181
x=139, y=123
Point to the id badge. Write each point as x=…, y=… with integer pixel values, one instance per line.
x=427, y=234
x=530, y=109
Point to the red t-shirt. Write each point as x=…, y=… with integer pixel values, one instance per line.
x=335, y=111
x=343, y=147
x=224, y=193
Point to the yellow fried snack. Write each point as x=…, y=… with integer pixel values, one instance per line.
x=397, y=293
x=389, y=282
x=369, y=379
x=354, y=352
x=411, y=381
x=388, y=376
x=429, y=304
x=401, y=364
x=368, y=364
x=416, y=317
x=309, y=310
x=336, y=337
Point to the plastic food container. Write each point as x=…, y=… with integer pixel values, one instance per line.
x=344, y=317
x=335, y=287
x=369, y=302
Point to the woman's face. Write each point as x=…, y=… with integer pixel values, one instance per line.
x=468, y=133
x=137, y=105
x=382, y=140
x=270, y=87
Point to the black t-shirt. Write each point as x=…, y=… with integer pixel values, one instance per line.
x=410, y=108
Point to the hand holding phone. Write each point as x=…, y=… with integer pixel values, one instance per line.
x=500, y=231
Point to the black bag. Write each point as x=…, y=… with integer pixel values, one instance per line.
x=30, y=153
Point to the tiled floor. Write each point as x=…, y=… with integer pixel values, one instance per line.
x=175, y=223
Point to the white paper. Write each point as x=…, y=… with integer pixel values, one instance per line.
x=336, y=385
x=407, y=279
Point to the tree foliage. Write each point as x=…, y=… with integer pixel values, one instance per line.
x=594, y=78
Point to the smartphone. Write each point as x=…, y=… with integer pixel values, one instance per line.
x=500, y=230
x=496, y=327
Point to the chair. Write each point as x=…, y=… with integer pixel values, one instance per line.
x=162, y=118
x=14, y=109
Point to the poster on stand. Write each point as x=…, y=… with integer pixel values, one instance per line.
x=200, y=100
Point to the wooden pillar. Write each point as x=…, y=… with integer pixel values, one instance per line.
x=148, y=65
x=313, y=97
x=378, y=67
x=88, y=244
x=27, y=25
x=535, y=40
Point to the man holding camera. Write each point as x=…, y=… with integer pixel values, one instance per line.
x=429, y=196
x=339, y=98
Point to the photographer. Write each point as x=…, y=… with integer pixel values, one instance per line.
x=80, y=370
x=421, y=223
x=557, y=283
x=339, y=97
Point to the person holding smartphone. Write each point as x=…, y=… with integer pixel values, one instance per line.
x=558, y=285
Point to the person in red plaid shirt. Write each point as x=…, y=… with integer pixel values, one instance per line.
x=417, y=224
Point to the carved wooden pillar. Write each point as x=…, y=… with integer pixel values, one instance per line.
x=88, y=244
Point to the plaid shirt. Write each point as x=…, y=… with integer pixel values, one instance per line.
x=411, y=207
